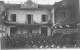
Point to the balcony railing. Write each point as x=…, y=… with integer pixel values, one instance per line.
x=26, y=23
x=66, y=30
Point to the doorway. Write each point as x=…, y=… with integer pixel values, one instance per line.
x=30, y=31
x=13, y=31
x=44, y=31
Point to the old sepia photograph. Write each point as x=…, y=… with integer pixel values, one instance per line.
x=39, y=24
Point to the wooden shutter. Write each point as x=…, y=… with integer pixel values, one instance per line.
x=46, y=18
x=26, y=18
x=32, y=20
x=11, y=17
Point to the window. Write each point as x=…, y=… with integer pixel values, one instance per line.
x=29, y=18
x=44, y=18
x=13, y=17
x=63, y=14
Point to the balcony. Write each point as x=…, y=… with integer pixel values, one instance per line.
x=26, y=23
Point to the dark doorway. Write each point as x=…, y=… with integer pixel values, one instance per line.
x=44, y=31
x=13, y=31
x=30, y=30
x=29, y=18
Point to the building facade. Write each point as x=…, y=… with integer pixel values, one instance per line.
x=35, y=18
x=28, y=18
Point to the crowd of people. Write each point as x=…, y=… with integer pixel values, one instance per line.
x=30, y=40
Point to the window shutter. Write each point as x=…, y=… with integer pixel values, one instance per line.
x=14, y=17
x=32, y=19
x=43, y=18
x=46, y=18
x=26, y=18
x=11, y=17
